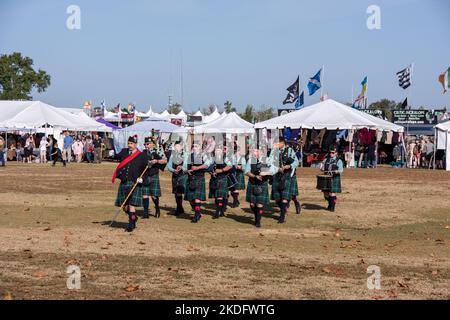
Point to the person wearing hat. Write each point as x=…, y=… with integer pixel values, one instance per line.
x=335, y=167
x=218, y=184
x=198, y=163
x=284, y=186
x=150, y=186
x=178, y=164
x=132, y=164
x=258, y=169
x=239, y=164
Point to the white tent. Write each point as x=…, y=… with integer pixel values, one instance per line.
x=213, y=116
x=331, y=115
x=228, y=123
x=36, y=114
x=442, y=141
x=198, y=114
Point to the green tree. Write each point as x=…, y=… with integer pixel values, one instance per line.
x=228, y=107
x=248, y=113
x=264, y=113
x=18, y=78
x=387, y=106
x=174, y=108
x=209, y=109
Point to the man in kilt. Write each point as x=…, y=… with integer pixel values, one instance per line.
x=284, y=185
x=198, y=163
x=150, y=186
x=218, y=184
x=239, y=165
x=132, y=165
x=178, y=164
x=333, y=166
x=258, y=169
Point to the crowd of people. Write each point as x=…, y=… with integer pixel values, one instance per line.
x=38, y=148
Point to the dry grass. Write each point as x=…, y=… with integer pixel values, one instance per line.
x=396, y=219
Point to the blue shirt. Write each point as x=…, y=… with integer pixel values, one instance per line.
x=68, y=140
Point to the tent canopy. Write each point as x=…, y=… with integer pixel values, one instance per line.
x=227, y=123
x=444, y=126
x=331, y=115
x=35, y=114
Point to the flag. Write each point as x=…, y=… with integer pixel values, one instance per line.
x=364, y=86
x=444, y=79
x=404, y=77
x=359, y=102
x=103, y=105
x=292, y=92
x=300, y=101
x=314, y=83
x=117, y=108
x=404, y=104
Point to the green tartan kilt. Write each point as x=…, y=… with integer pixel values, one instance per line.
x=199, y=192
x=240, y=185
x=336, y=184
x=124, y=189
x=153, y=189
x=290, y=190
x=222, y=187
x=263, y=198
x=175, y=179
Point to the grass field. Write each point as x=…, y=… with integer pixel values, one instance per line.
x=396, y=219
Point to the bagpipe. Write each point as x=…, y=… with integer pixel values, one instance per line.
x=284, y=176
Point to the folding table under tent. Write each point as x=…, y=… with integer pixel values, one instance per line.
x=442, y=142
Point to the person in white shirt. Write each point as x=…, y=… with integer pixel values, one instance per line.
x=43, y=149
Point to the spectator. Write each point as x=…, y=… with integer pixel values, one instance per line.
x=29, y=148
x=77, y=148
x=89, y=149
x=2, y=152
x=43, y=149
x=67, y=150
x=98, y=146
x=430, y=150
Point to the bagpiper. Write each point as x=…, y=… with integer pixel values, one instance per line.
x=178, y=164
x=284, y=185
x=150, y=186
x=196, y=190
x=218, y=184
x=132, y=165
x=239, y=164
x=258, y=169
x=334, y=167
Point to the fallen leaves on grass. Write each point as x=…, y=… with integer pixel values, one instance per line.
x=39, y=274
x=326, y=269
x=7, y=296
x=132, y=288
x=47, y=229
x=141, y=242
x=26, y=209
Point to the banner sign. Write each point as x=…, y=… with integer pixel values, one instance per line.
x=374, y=112
x=97, y=112
x=127, y=115
x=419, y=116
x=177, y=122
x=285, y=111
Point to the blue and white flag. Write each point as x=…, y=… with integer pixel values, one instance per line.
x=103, y=104
x=300, y=101
x=314, y=83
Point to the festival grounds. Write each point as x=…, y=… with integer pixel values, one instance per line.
x=396, y=219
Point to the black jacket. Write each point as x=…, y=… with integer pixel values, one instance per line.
x=133, y=169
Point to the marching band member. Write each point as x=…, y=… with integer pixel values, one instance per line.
x=196, y=191
x=150, y=187
x=333, y=166
x=258, y=169
x=132, y=165
x=178, y=164
x=284, y=186
x=239, y=164
x=218, y=184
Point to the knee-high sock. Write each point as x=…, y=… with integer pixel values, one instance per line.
x=145, y=203
x=197, y=210
x=282, y=210
x=259, y=213
x=179, y=201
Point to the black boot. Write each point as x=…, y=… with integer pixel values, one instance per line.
x=282, y=212
x=224, y=206
x=145, y=204
x=131, y=222
x=157, y=210
x=197, y=214
x=235, y=200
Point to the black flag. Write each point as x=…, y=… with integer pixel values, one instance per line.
x=293, y=92
x=404, y=104
x=404, y=77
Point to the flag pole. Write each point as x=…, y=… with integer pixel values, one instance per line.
x=365, y=93
x=352, y=96
x=322, y=82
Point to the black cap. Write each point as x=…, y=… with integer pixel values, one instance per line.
x=332, y=148
x=133, y=139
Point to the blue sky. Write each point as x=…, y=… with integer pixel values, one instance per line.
x=246, y=51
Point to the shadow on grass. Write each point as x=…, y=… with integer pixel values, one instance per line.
x=311, y=206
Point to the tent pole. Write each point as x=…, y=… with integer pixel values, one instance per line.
x=5, y=155
x=434, y=149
